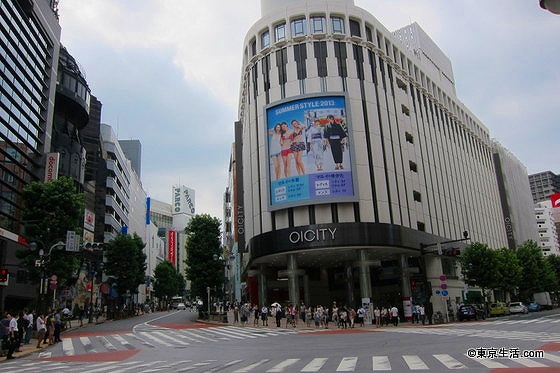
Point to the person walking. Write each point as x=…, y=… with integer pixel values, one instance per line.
x=264, y=315
x=422, y=312
x=377, y=316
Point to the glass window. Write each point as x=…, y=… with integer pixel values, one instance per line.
x=355, y=28
x=280, y=32
x=299, y=27
x=337, y=25
x=318, y=25
x=265, y=39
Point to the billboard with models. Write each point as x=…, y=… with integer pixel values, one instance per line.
x=309, y=152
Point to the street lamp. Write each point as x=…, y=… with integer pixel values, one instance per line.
x=553, y=6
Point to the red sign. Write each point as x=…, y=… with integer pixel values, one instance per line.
x=555, y=199
x=171, y=246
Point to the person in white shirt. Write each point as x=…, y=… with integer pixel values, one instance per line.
x=13, y=336
x=41, y=329
x=395, y=315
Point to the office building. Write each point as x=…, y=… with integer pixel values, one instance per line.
x=543, y=185
x=359, y=162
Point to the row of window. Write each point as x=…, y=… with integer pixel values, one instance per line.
x=299, y=27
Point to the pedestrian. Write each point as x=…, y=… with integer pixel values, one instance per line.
x=30, y=327
x=308, y=316
x=257, y=312
x=81, y=315
x=50, y=329
x=361, y=315
x=4, y=336
x=67, y=316
x=422, y=312
x=13, y=335
x=236, y=314
x=264, y=315
x=279, y=315
x=395, y=315
x=57, y=327
x=41, y=329
x=377, y=316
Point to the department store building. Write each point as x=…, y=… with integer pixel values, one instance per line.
x=356, y=162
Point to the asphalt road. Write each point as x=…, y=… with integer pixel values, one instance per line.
x=175, y=342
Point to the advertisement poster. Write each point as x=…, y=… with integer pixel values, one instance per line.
x=309, y=152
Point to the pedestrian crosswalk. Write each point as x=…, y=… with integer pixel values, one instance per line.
x=155, y=337
x=376, y=363
x=485, y=333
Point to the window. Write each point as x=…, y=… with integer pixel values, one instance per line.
x=280, y=32
x=318, y=25
x=299, y=27
x=337, y=25
x=417, y=196
x=265, y=39
x=421, y=226
x=253, y=47
x=405, y=110
x=409, y=137
x=355, y=28
x=413, y=166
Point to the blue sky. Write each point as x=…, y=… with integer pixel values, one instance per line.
x=168, y=71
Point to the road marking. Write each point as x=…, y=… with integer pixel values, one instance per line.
x=249, y=367
x=348, y=364
x=228, y=364
x=88, y=347
x=530, y=363
x=102, y=367
x=283, y=365
x=123, y=342
x=489, y=363
x=315, y=364
x=449, y=362
x=150, y=336
x=381, y=363
x=108, y=345
x=414, y=362
x=67, y=347
x=551, y=357
x=174, y=341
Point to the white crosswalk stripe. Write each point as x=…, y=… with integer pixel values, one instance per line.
x=397, y=363
x=484, y=333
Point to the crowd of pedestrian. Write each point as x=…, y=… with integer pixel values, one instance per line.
x=319, y=316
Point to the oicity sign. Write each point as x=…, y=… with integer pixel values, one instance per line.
x=312, y=235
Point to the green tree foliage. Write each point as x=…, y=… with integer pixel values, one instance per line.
x=50, y=210
x=126, y=262
x=168, y=282
x=509, y=270
x=538, y=275
x=554, y=263
x=203, y=242
x=479, y=266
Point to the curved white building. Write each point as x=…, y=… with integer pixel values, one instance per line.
x=382, y=161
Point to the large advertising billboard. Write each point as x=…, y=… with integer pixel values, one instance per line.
x=309, y=153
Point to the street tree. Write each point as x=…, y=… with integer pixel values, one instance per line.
x=554, y=262
x=168, y=282
x=125, y=263
x=479, y=267
x=50, y=210
x=509, y=270
x=538, y=275
x=203, y=242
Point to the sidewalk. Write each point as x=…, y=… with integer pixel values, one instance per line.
x=32, y=346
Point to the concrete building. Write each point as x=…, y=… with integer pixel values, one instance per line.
x=543, y=185
x=357, y=158
x=515, y=197
x=546, y=217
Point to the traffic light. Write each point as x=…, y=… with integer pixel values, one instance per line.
x=93, y=245
x=452, y=251
x=4, y=275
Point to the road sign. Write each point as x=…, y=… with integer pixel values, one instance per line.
x=445, y=293
x=72, y=241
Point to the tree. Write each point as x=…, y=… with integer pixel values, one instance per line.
x=125, y=262
x=50, y=210
x=479, y=267
x=538, y=275
x=203, y=242
x=509, y=270
x=554, y=263
x=168, y=282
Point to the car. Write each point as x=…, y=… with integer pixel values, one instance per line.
x=518, y=307
x=533, y=307
x=180, y=306
x=467, y=312
x=499, y=309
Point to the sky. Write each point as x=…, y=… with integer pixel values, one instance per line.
x=168, y=74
